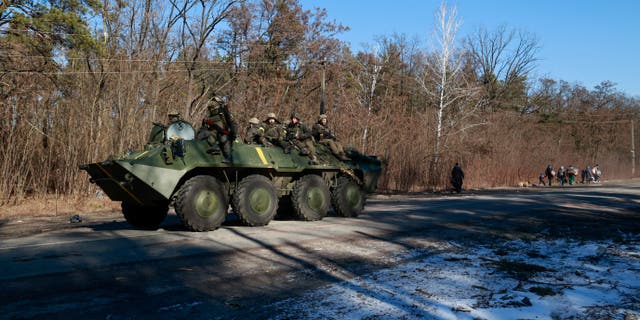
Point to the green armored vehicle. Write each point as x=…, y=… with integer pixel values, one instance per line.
x=182, y=172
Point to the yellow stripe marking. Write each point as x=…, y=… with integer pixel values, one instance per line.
x=142, y=154
x=119, y=185
x=261, y=155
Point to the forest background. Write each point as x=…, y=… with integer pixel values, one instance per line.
x=82, y=80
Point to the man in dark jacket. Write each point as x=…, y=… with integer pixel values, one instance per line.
x=550, y=174
x=457, y=176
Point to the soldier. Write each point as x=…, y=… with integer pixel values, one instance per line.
x=299, y=136
x=158, y=135
x=323, y=135
x=158, y=131
x=255, y=133
x=174, y=116
x=219, y=128
x=274, y=131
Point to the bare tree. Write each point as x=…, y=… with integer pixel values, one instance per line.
x=442, y=70
x=367, y=79
x=504, y=59
x=199, y=20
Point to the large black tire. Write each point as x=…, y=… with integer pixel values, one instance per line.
x=255, y=200
x=202, y=203
x=310, y=198
x=144, y=217
x=347, y=197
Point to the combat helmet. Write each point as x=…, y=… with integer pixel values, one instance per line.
x=272, y=115
x=295, y=115
x=254, y=120
x=215, y=103
x=173, y=113
x=322, y=117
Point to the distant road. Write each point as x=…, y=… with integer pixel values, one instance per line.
x=102, y=268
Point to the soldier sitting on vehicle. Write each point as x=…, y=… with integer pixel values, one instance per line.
x=274, y=132
x=255, y=133
x=158, y=131
x=162, y=134
x=219, y=128
x=299, y=137
x=323, y=135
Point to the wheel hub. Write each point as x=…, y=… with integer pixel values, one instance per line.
x=206, y=203
x=260, y=201
x=315, y=199
x=352, y=196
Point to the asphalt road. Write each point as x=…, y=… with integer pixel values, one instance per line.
x=101, y=268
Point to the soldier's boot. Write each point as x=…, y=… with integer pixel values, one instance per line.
x=343, y=157
x=304, y=151
x=226, y=153
x=287, y=149
x=214, y=149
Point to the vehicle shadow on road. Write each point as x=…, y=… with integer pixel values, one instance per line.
x=236, y=270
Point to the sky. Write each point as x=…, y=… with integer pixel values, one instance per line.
x=583, y=42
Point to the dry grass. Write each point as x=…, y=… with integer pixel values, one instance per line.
x=51, y=206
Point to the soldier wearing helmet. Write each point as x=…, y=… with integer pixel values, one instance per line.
x=323, y=135
x=159, y=130
x=299, y=137
x=159, y=134
x=273, y=130
x=255, y=133
x=219, y=128
x=174, y=116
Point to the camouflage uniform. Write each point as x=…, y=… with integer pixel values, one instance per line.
x=219, y=128
x=274, y=131
x=158, y=135
x=158, y=131
x=255, y=133
x=323, y=135
x=299, y=136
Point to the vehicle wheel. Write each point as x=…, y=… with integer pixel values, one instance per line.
x=201, y=203
x=255, y=200
x=144, y=217
x=347, y=197
x=310, y=198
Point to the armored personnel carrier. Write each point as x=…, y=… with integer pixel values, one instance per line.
x=175, y=169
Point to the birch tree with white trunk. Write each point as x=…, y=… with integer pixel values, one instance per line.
x=442, y=70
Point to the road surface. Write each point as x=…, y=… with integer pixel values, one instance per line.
x=102, y=268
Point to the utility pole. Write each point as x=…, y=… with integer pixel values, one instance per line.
x=633, y=151
x=322, y=111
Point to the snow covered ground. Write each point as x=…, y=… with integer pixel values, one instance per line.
x=542, y=279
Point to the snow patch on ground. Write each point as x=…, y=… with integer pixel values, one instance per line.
x=543, y=279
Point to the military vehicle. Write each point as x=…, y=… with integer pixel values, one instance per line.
x=176, y=169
